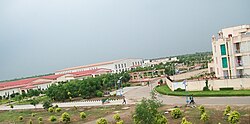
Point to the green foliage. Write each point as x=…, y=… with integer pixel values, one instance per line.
x=204, y=117
x=117, y=117
x=234, y=117
x=120, y=122
x=11, y=106
x=161, y=119
x=52, y=118
x=83, y=115
x=226, y=88
x=65, y=117
x=99, y=93
x=176, y=113
x=184, y=121
x=30, y=121
x=101, y=121
x=202, y=109
x=40, y=119
x=20, y=118
x=47, y=104
x=34, y=102
x=87, y=87
x=146, y=111
x=56, y=106
x=227, y=110
x=206, y=88
x=33, y=114
x=51, y=109
x=40, y=122
x=58, y=110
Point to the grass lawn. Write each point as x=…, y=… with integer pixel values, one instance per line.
x=164, y=89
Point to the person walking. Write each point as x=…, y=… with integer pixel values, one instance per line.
x=124, y=100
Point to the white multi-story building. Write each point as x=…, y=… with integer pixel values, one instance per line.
x=115, y=66
x=231, y=52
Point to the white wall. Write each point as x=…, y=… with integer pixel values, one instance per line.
x=9, y=91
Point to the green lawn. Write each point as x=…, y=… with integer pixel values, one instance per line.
x=166, y=91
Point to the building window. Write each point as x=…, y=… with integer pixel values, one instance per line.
x=224, y=62
x=115, y=66
x=119, y=66
x=125, y=65
x=122, y=65
x=223, y=49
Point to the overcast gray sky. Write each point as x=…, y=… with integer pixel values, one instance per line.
x=42, y=36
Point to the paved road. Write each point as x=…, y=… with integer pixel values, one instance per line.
x=144, y=91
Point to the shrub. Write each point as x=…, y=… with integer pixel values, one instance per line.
x=20, y=118
x=101, y=121
x=47, y=104
x=30, y=121
x=40, y=119
x=40, y=122
x=161, y=119
x=82, y=115
x=11, y=106
x=206, y=87
x=99, y=93
x=176, y=113
x=51, y=109
x=117, y=117
x=204, y=117
x=234, y=117
x=120, y=122
x=33, y=114
x=184, y=121
x=227, y=88
x=56, y=106
x=65, y=117
x=52, y=118
x=202, y=109
x=179, y=89
x=227, y=110
x=58, y=110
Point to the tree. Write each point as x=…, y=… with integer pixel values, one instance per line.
x=47, y=104
x=204, y=117
x=34, y=102
x=65, y=117
x=117, y=117
x=30, y=121
x=227, y=110
x=40, y=119
x=234, y=117
x=58, y=110
x=82, y=115
x=146, y=111
x=33, y=114
x=20, y=118
x=101, y=121
x=176, y=113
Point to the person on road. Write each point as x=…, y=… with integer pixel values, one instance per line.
x=191, y=99
x=124, y=100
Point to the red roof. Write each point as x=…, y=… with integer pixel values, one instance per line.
x=90, y=72
x=52, y=77
x=16, y=83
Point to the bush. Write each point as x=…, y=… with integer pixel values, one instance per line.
x=234, y=117
x=82, y=115
x=117, y=117
x=179, y=89
x=52, y=118
x=120, y=122
x=161, y=119
x=227, y=88
x=184, y=121
x=204, y=117
x=128, y=85
x=30, y=121
x=101, y=121
x=202, y=109
x=227, y=110
x=11, y=106
x=20, y=118
x=56, y=106
x=99, y=93
x=40, y=122
x=65, y=117
x=176, y=113
x=51, y=109
x=47, y=104
x=40, y=119
x=58, y=110
x=33, y=114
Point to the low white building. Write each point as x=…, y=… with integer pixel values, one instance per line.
x=153, y=62
x=116, y=66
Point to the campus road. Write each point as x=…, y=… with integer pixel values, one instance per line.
x=144, y=91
